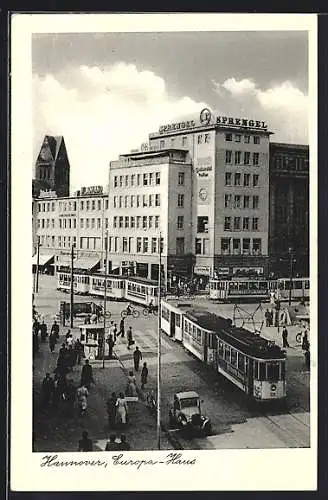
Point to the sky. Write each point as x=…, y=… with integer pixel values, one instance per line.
x=105, y=92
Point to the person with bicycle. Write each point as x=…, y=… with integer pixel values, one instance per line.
x=129, y=309
x=151, y=306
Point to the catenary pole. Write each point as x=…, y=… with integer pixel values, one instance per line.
x=105, y=300
x=290, y=276
x=37, y=266
x=159, y=346
x=72, y=284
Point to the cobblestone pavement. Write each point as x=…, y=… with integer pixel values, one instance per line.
x=231, y=412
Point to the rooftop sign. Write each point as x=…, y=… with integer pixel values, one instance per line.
x=92, y=190
x=206, y=118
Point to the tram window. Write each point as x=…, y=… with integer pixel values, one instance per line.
x=283, y=370
x=253, y=285
x=233, y=357
x=177, y=320
x=298, y=285
x=262, y=374
x=233, y=285
x=273, y=371
x=263, y=285
x=287, y=285
x=306, y=284
x=241, y=362
x=220, y=349
x=199, y=335
x=227, y=353
x=243, y=285
x=210, y=340
x=281, y=285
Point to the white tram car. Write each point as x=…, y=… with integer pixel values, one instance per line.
x=115, y=286
x=81, y=282
x=300, y=288
x=141, y=291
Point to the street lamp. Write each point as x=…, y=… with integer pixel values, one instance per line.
x=159, y=346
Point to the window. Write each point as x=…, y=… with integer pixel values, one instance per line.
x=246, y=179
x=106, y=204
x=162, y=144
x=180, y=246
x=225, y=246
x=228, y=156
x=151, y=178
x=157, y=200
x=132, y=222
x=227, y=200
x=144, y=200
x=172, y=142
x=126, y=201
x=255, y=202
x=53, y=240
x=126, y=181
x=150, y=200
x=247, y=156
x=156, y=221
x=256, y=139
x=181, y=177
x=98, y=223
x=207, y=138
x=132, y=200
x=237, y=138
x=60, y=241
x=87, y=223
x=199, y=139
x=116, y=244
x=144, y=222
x=138, y=200
x=93, y=205
x=237, y=201
x=184, y=141
x=247, y=139
x=181, y=200
x=227, y=223
x=180, y=222
x=256, y=158
x=237, y=179
x=121, y=181
x=255, y=223
x=236, y=246
x=206, y=246
x=93, y=223
x=246, y=246
x=132, y=179
x=153, y=245
x=120, y=202
x=139, y=241
x=126, y=222
x=53, y=206
x=246, y=201
x=257, y=246
x=202, y=224
x=115, y=201
x=106, y=223
x=115, y=181
x=228, y=178
x=145, y=245
x=99, y=204
x=130, y=244
x=87, y=205
x=125, y=244
x=120, y=222
x=115, y=221
x=228, y=137
x=237, y=157
x=157, y=178
x=138, y=179
x=138, y=222
x=246, y=223
x=233, y=357
x=255, y=180
x=236, y=223
x=145, y=179
x=150, y=221
x=198, y=246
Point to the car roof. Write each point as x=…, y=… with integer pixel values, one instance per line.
x=187, y=394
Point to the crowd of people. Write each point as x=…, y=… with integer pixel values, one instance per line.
x=113, y=444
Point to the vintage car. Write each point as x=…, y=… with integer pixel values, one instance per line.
x=186, y=414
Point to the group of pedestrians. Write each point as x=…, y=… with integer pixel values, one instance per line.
x=114, y=443
x=117, y=411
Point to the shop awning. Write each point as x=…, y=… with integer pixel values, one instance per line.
x=43, y=259
x=87, y=263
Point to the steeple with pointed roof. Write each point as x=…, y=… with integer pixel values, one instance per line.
x=52, y=170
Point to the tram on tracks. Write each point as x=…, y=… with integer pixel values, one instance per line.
x=300, y=288
x=81, y=282
x=254, y=364
x=141, y=291
x=115, y=286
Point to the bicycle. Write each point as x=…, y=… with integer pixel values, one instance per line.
x=151, y=402
x=148, y=312
x=130, y=312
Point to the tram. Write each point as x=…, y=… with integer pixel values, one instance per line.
x=115, y=286
x=141, y=291
x=300, y=288
x=81, y=282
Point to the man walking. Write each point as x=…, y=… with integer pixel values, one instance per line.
x=129, y=337
x=285, y=337
x=111, y=343
x=144, y=375
x=55, y=329
x=43, y=330
x=122, y=327
x=86, y=375
x=137, y=357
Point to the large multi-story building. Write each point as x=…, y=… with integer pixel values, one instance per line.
x=211, y=190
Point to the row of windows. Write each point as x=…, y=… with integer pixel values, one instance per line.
x=70, y=223
x=92, y=205
x=46, y=207
x=237, y=246
x=238, y=156
x=238, y=138
x=71, y=206
x=134, y=245
x=144, y=222
x=135, y=201
x=147, y=179
x=237, y=224
x=229, y=177
x=231, y=356
x=238, y=201
x=197, y=334
x=176, y=142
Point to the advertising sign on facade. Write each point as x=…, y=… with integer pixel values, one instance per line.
x=91, y=190
x=203, y=270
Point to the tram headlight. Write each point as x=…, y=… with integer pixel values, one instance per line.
x=273, y=387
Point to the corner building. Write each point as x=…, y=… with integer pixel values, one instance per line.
x=213, y=196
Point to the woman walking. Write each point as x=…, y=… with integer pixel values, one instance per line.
x=121, y=409
x=82, y=397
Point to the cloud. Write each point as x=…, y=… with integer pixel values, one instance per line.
x=283, y=106
x=103, y=112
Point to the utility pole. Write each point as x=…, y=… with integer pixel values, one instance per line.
x=72, y=285
x=105, y=300
x=290, y=251
x=159, y=346
x=37, y=266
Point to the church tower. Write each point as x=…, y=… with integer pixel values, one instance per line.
x=52, y=170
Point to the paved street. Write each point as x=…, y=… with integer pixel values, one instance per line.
x=237, y=422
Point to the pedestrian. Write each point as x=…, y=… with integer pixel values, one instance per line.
x=112, y=445
x=111, y=410
x=270, y=317
x=115, y=332
x=285, y=337
x=121, y=409
x=307, y=359
x=86, y=375
x=52, y=341
x=144, y=375
x=267, y=317
x=129, y=337
x=78, y=348
x=69, y=340
x=85, y=444
x=305, y=341
x=82, y=398
x=70, y=358
x=122, y=327
x=131, y=389
x=70, y=396
x=47, y=389
x=111, y=343
x=62, y=350
x=43, y=330
x=111, y=328
x=55, y=329
x=277, y=312
x=137, y=357
x=123, y=445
